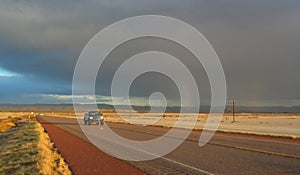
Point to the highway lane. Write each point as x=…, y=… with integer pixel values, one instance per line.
x=224, y=154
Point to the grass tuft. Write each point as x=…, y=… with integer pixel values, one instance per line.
x=5, y=126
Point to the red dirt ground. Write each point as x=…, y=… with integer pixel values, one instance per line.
x=83, y=157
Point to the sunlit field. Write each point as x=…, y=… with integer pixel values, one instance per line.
x=271, y=124
x=26, y=148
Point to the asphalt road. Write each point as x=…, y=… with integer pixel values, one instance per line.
x=224, y=154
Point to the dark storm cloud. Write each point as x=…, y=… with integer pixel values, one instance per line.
x=257, y=42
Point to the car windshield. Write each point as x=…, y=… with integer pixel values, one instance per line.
x=94, y=113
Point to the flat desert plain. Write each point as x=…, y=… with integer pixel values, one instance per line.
x=272, y=124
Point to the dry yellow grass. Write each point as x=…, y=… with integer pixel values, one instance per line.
x=14, y=114
x=27, y=149
x=5, y=126
x=49, y=161
x=18, y=150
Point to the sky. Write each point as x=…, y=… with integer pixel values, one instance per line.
x=257, y=43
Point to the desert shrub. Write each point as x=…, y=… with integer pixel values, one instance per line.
x=18, y=118
x=5, y=126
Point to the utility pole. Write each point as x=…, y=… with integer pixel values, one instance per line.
x=233, y=112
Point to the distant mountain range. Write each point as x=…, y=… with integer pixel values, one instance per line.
x=69, y=107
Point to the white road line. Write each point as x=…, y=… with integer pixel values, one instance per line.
x=167, y=159
x=233, y=146
x=164, y=158
x=187, y=166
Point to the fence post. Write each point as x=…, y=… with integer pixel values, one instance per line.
x=233, y=111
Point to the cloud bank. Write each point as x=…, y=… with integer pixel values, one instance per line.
x=257, y=43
